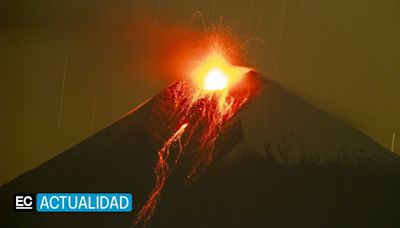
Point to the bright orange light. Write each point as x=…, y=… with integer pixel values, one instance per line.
x=216, y=73
x=215, y=80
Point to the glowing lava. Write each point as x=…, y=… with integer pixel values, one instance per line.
x=161, y=173
x=192, y=114
x=216, y=79
x=215, y=72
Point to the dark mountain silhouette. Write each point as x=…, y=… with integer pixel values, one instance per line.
x=279, y=163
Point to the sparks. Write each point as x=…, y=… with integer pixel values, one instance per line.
x=204, y=114
x=198, y=108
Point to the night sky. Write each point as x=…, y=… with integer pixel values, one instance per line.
x=341, y=56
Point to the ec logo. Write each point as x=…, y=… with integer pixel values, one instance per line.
x=24, y=202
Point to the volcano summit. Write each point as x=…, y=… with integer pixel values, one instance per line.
x=276, y=161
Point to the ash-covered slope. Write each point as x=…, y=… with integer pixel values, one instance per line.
x=296, y=166
x=281, y=163
x=292, y=131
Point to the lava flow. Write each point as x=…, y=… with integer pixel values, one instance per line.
x=196, y=111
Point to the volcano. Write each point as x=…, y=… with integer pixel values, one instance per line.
x=278, y=162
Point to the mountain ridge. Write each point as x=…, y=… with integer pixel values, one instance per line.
x=247, y=184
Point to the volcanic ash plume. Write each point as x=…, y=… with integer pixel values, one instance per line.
x=192, y=119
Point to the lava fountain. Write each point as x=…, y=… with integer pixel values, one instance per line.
x=193, y=114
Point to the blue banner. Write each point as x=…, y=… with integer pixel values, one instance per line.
x=84, y=202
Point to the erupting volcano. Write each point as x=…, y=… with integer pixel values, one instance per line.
x=200, y=154
x=202, y=105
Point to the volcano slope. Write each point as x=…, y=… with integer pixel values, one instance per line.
x=280, y=163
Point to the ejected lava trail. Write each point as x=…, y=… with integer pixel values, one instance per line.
x=196, y=110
